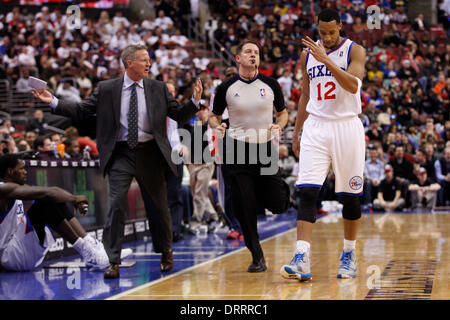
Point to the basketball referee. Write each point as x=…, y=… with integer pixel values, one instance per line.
x=250, y=155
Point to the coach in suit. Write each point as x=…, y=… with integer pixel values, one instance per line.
x=132, y=140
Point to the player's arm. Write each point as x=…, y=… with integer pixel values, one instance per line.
x=302, y=115
x=347, y=79
x=53, y=194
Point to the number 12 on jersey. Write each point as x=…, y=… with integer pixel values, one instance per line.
x=329, y=94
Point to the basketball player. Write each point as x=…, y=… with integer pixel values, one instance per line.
x=24, y=235
x=333, y=69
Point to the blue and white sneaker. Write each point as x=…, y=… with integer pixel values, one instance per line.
x=348, y=265
x=299, y=268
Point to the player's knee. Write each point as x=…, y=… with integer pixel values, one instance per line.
x=307, y=203
x=351, y=207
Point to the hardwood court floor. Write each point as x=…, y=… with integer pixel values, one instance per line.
x=400, y=256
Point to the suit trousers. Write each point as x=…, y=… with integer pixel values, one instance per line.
x=147, y=165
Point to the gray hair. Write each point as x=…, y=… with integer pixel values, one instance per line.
x=129, y=53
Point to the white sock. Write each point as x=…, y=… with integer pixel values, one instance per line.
x=78, y=245
x=302, y=246
x=349, y=245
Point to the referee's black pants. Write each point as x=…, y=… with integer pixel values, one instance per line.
x=252, y=187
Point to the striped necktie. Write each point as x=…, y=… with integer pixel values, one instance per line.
x=132, y=138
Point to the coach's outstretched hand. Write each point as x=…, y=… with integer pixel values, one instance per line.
x=43, y=95
x=198, y=89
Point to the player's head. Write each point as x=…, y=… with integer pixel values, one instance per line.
x=329, y=25
x=247, y=53
x=12, y=169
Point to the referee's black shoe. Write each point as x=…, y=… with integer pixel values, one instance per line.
x=258, y=266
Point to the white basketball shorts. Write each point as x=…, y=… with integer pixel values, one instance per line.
x=340, y=143
x=24, y=252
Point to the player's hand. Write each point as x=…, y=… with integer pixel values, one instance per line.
x=81, y=203
x=43, y=95
x=317, y=50
x=198, y=89
x=220, y=130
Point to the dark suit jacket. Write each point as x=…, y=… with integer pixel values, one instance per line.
x=104, y=104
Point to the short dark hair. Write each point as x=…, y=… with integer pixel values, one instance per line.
x=240, y=46
x=8, y=161
x=328, y=14
x=39, y=141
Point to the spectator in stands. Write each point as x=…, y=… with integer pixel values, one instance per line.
x=148, y=23
x=286, y=83
x=422, y=162
x=84, y=83
x=22, y=145
x=72, y=149
x=179, y=38
x=162, y=20
x=200, y=171
x=42, y=146
x=407, y=71
x=389, y=193
x=423, y=191
x=38, y=123
x=419, y=23
x=442, y=167
x=375, y=133
x=290, y=54
x=22, y=83
x=429, y=133
x=374, y=174
x=403, y=169
x=30, y=136
x=26, y=58
x=286, y=162
x=72, y=132
x=66, y=91
x=359, y=26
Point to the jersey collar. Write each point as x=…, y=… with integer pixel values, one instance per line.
x=248, y=81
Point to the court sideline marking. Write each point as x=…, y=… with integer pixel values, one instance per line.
x=152, y=283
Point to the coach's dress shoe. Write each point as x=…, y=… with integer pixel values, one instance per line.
x=166, y=261
x=112, y=272
x=258, y=266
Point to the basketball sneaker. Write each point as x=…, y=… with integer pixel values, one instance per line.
x=88, y=252
x=125, y=253
x=299, y=268
x=348, y=265
x=99, y=259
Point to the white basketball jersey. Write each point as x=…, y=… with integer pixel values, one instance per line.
x=327, y=99
x=9, y=220
x=20, y=249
